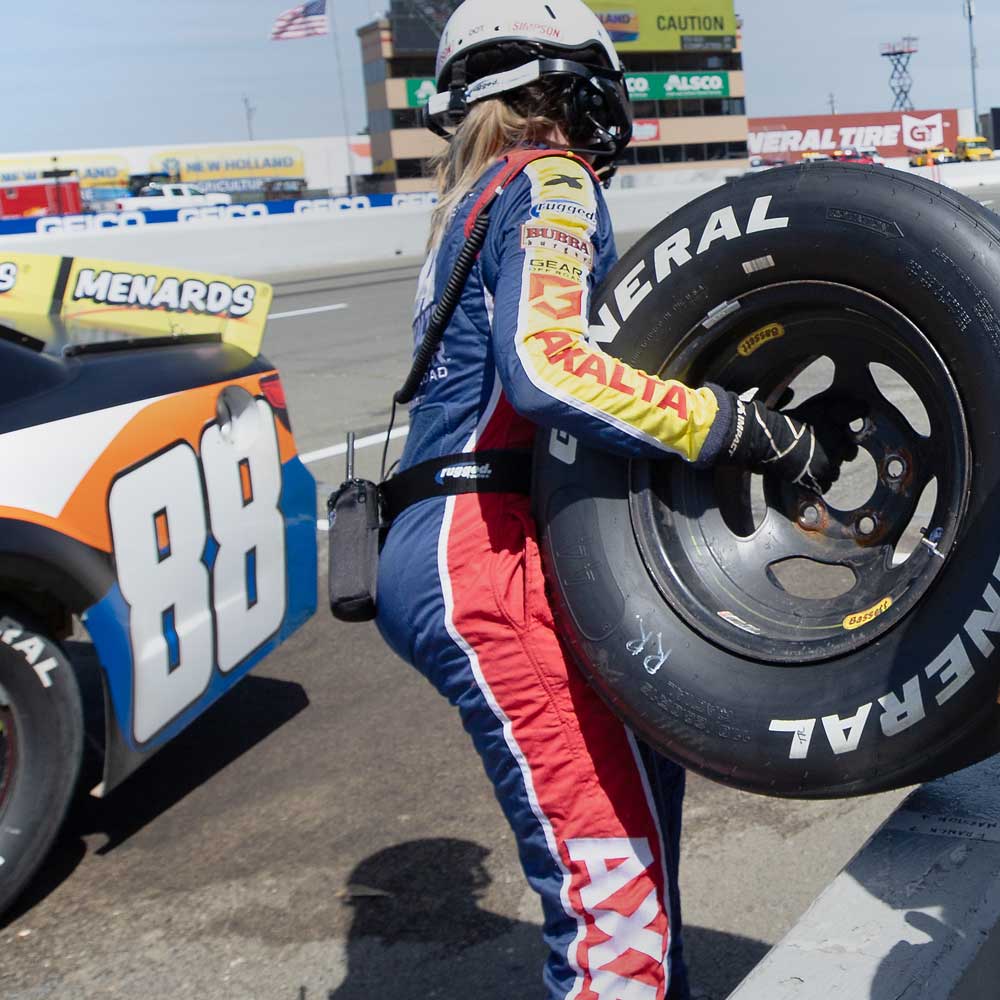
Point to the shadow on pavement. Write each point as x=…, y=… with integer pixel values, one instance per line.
x=242, y=718
x=718, y=962
x=419, y=929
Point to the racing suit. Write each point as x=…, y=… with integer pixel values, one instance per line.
x=462, y=597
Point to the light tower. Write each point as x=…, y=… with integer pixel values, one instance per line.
x=969, y=10
x=900, y=81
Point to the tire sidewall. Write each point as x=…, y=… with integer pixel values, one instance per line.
x=48, y=722
x=930, y=255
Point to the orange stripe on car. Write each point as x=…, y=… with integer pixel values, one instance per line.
x=180, y=417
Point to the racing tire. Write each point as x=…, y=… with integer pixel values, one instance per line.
x=41, y=747
x=671, y=584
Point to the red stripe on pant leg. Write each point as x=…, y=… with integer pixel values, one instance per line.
x=586, y=778
x=505, y=428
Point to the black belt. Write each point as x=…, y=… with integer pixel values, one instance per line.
x=467, y=472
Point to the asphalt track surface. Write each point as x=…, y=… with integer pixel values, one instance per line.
x=325, y=831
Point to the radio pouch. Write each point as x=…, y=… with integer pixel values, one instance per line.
x=355, y=524
x=354, y=540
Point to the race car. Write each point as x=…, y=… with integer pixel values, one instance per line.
x=153, y=498
x=934, y=154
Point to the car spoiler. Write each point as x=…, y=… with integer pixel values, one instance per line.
x=49, y=298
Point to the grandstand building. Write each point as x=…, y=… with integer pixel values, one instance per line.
x=684, y=70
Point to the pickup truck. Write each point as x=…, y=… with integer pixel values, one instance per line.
x=159, y=196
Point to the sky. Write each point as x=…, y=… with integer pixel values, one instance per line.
x=96, y=73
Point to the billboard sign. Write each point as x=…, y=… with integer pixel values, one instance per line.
x=676, y=86
x=93, y=169
x=921, y=133
x=221, y=168
x=892, y=133
x=668, y=25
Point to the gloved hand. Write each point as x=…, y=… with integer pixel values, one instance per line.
x=807, y=445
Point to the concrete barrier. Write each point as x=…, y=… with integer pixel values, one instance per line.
x=266, y=247
x=272, y=247
x=965, y=177
x=914, y=916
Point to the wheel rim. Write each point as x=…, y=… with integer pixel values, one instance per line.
x=766, y=569
x=8, y=748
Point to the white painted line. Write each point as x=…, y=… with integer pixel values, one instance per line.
x=322, y=524
x=365, y=442
x=307, y=312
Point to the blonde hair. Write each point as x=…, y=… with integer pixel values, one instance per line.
x=492, y=128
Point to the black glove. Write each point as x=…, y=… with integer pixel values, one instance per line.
x=807, y=445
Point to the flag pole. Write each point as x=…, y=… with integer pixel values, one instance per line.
x=331, y=15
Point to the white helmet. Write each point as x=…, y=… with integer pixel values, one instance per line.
x=485, y=51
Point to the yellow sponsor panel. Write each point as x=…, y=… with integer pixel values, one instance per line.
x=668, y=25
x=93, y=170
x=27, y=282
x=92, y=299
x=860, y=618
x=219, y=163
x=759, y=338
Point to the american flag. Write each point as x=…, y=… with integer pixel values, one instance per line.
x=302, y=22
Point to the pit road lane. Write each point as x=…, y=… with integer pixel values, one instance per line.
x=325, y=831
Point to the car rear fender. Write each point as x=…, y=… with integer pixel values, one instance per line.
x=36, y=560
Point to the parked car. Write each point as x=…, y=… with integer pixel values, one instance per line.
x=870, y=151
x=136, y=182
x=159, y=504
x=931, y=156
x=160, y=196
x=759, y=163
x=859, y=154
x=283, y=187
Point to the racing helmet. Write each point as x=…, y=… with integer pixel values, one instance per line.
x=489, y=48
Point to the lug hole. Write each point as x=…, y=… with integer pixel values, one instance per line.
x=809, y=516
x=895, y=468
x=857, y=425
x=865, y=525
